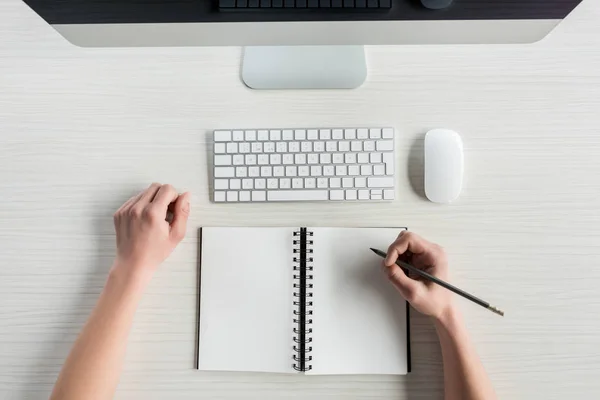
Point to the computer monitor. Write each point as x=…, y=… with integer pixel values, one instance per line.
x=301, y=43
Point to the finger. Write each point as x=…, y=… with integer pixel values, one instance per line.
x=181, y=212
x=407, y=286
x=129, y=202
x=148, y=195
x=166, y=195
x=407, y=241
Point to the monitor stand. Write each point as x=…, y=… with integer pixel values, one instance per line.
x=304, y=67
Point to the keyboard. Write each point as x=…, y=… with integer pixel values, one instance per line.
x=264, y=165
x=288, y=5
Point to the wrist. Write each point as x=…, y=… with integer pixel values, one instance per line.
x=448, y=318
x=130, y=275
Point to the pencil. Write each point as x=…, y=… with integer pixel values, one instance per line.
x=440, y=282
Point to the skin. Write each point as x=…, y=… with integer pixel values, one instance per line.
x=464, y=375
x=144, y=240
x=148, y=228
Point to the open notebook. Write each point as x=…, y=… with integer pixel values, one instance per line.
x=300, y=300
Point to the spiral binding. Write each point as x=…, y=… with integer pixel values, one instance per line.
x=303, y=268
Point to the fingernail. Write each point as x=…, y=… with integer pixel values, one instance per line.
x=186, y=207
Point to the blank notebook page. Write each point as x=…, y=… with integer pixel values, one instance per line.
x=246, y=300
x=359, y=318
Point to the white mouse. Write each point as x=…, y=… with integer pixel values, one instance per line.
x=444, y=165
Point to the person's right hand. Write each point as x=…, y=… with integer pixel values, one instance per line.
x=427, y=297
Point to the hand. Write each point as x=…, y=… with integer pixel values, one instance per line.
x=146, y=233
x=427, y=297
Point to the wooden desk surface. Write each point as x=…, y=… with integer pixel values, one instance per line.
x=81, y=130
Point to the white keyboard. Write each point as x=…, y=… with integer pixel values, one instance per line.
x=355, y=164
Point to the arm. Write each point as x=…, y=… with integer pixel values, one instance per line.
x=144, y=240
x=464, y=375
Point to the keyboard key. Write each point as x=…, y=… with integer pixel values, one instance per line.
x=347, y=182
x=297, y=183
x=263, y=135
x=223, y=160
x=288, y=159
x=341, y=170
x=337, y=134
x=380, y=182
x=281, y=147
x=319, y=147
x=363, y=195
x=259, y=196
x=253, y=172
x=219, y=148
x=388, y=159
x=353, y=170
x=335, y=182
x=350, y=158
x=221, y=184
x=325, y=158
x=275, y=135
x=325, y=134
x=379, y=169
x=300, y=134
x=328, y=170
x=269, y=147
x=336, y=195
x=351, y=194
x=330, y=146
x=260, y=183
x=387, y=133
x=298, y=195
x=247, y=183
x=294, y=147
x=388, y=194
x=256, y=147
x=356, y=145
x=385, y=145
x=306, y=147
x=232, y=196
x=349, y=134
x=300, y=158
x=245, y=196
x=360, y=182
x=244, y=148
x=238, y=159
x=285, y=183
x=241, y=172
x=376, y=194
x=312, y=158
x=338, y=158
x=250, y=136
x=224, y=172
x=321, y=183
x=310, y=183
x=275, y=159
x=238, y=136
x=266, y=171
x=312, y=134
x=288, y=134
x=232, y=147
x=369, y=145
x=291, y=171
x=363, y=158
x=304, y=170
x=222, y=136
x=316, y=170
x=235, y=184
x=263, y=159
x=366, y=170
x=219, y=196
x=278, y=171
x=272, y=183
x=344, y=146
x=375, y=158
x=375, y=133
x=362, y=133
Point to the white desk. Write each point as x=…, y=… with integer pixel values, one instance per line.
x=83, y=129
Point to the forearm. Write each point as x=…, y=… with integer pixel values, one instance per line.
x=94, y=364
x=464, y=375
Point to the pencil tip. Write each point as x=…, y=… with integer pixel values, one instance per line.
x=497, y=311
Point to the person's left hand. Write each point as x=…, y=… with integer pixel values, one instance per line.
x=146, y=233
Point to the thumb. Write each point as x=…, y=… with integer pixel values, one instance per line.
x=181, y=212
x=408, y=287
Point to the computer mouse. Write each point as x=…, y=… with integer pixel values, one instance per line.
x=444, y=165
x=436, y=4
